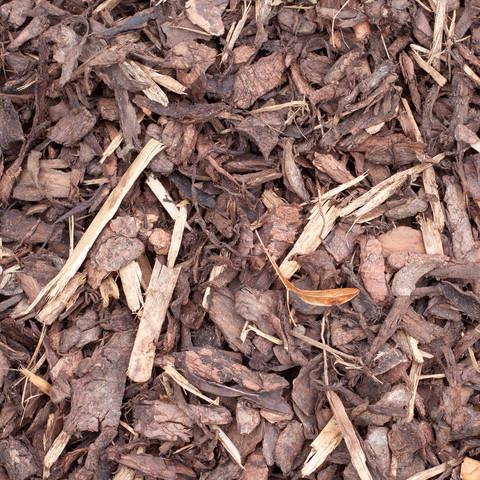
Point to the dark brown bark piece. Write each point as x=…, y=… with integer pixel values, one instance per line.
x=372, y=269
x=218, y=366
x=99, y=387
x=117, y=252
x=207, y=14
x=222, y=313
x=328, y=164
x=154, y=466
x=71, y=129
x=17, y=459
x=166, y=421
x=255, y=467
x=264, y=130
x=197, y=113
x=289, y=445
x=257, y=79
x=16, y=11
x=11, y=133
x=16, y=226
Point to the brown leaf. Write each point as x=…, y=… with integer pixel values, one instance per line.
x=207, y=14
x=325, y=298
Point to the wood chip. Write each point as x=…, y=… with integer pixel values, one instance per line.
x=157, y=300
x=105, y=214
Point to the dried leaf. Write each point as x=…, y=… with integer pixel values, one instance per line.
x=325, y=298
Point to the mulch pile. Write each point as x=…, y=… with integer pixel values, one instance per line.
x=239, y=239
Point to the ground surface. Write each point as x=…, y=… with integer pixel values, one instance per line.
x=144, y=331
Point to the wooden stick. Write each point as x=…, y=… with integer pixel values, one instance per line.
x=116, y=141
x=230, y=447
x=164, y=198
x=131, y=277
x=318, y=227
x=159, y=294
x=105, y=214
x=54, y=452
x=431, y=472
x=68, y=296
x=357, y=455
x=177, y=235
x=325, y=443
x=437, y=76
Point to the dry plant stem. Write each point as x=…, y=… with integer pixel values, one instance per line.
x=216, y=271
x=177, y=236
x=317, y=228
x=322, y=346
x=437, y=76
x=413, y=124
x=157, y=299
x=116, y=141
x=320, y=224
x=415, y=372
x=164, y=198
x=52, y=310
x=54, y=452
x=323, y=445
x=232, y=39
x=131, y=277
x=431, y=472
x=106, y=213
x=106, y=5
x=440, y=11
x=229, y=445
x=180, y=380
x=36, y=380
x=153, y=91
x=380, y=192
x=472, y=75
x=357, y=455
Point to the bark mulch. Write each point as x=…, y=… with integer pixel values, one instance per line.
x=239, y=239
